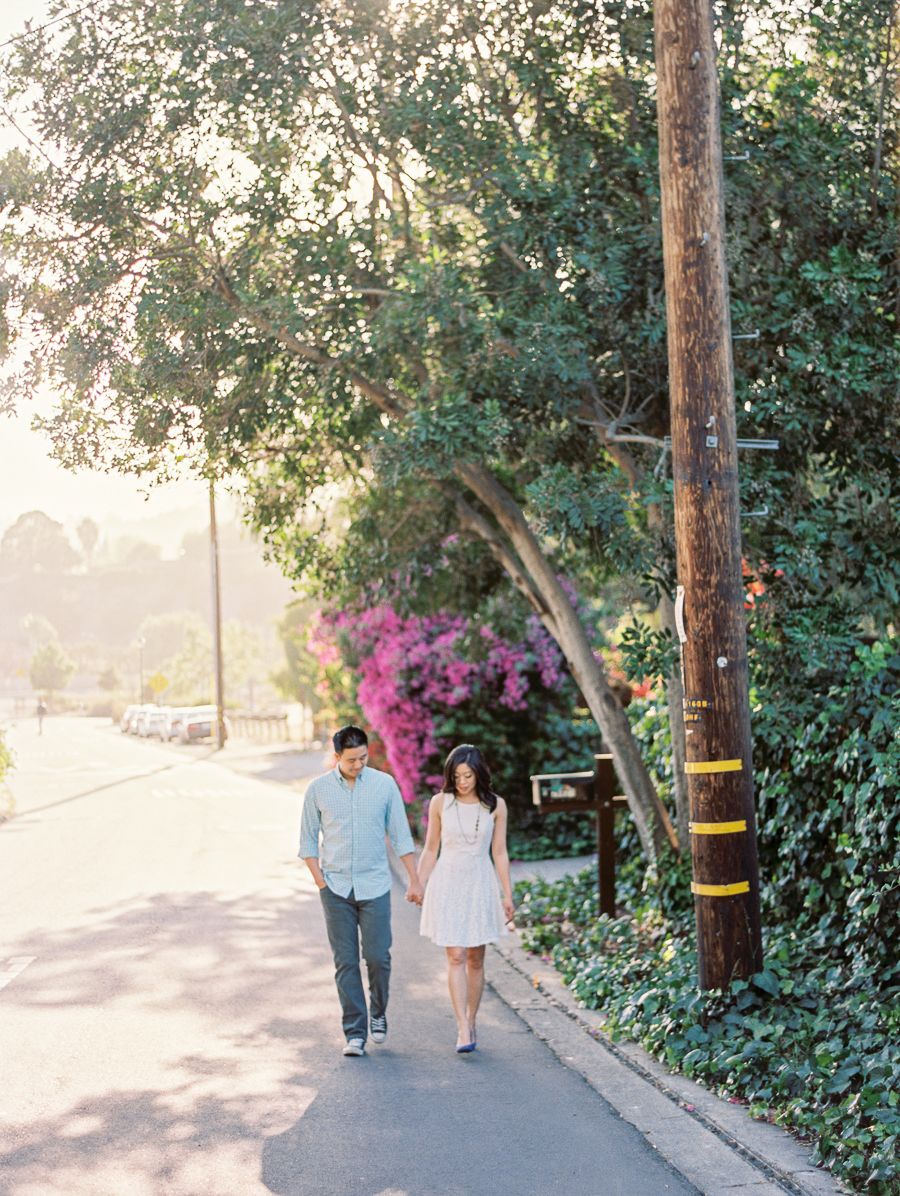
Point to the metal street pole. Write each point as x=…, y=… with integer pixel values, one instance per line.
x=217, y=618
x=710, y=609
x=140, y=646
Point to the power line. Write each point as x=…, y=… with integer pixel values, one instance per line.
x=40, y=29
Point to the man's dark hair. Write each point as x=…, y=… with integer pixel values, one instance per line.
x=349, y=737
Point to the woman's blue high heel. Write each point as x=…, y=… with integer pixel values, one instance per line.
x=464, y=1050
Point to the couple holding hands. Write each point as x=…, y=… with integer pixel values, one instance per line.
x=346, y=815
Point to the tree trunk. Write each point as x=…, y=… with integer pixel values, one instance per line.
x=651, y=818
x=707, y=517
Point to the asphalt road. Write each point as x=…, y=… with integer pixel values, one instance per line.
x=169, y=1025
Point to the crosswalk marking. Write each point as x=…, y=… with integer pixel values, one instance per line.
x=15, y=965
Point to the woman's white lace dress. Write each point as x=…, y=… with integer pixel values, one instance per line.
x=463, y=904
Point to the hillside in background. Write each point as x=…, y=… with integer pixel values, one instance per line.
x=96, y=595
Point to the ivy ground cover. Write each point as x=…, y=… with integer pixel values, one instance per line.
x=802, y=1043
x=813, y=1041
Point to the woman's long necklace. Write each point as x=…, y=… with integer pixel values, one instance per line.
x=471, y=842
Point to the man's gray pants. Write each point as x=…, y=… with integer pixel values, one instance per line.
x=348, y=923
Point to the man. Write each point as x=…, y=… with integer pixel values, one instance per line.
x=352, y=808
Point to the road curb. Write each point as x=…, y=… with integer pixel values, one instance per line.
x=714, y=1144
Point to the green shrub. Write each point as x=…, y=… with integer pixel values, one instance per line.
x=813, y=1041
x=803, y=1043
x=534, y=836
x=827, y=759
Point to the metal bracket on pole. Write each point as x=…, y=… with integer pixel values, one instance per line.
x=742, y=444
x=679, y=614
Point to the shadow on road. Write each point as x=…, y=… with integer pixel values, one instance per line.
x=197, y=1022
x=197, y=1050
x=127, y=780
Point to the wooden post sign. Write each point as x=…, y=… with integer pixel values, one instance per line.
x=592, y=792
x=709, y=610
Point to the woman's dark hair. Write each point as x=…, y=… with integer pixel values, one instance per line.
x=349, y=737
x=467, y=754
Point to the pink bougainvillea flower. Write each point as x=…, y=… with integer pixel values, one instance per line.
x=408, y=669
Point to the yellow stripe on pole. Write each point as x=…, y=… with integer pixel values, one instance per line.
x=717, y=828
x=695, y=766
x=742, y=886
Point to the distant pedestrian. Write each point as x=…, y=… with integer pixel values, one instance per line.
x=41, y=713
x=346, y=815
x=463, y=909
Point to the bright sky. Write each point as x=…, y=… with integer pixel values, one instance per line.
x=29, y=478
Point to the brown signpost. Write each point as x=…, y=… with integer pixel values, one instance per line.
x=591, y=792
x=710, y=607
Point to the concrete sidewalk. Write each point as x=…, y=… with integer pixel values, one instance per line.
x=714, y=1144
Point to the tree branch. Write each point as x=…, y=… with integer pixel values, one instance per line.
x=474, y=523
x=385, y=398
x=534, y=577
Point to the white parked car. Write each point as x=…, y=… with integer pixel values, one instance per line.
x=139, y=713
x=174, y=719
x=154, y=721
x=127, y=715
x=198, y=722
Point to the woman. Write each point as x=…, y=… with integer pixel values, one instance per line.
x=462, y=910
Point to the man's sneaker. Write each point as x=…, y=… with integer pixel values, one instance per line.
x=355, y=1046
x=378, y=1026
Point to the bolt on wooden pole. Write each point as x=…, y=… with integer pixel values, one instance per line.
x=710, y=608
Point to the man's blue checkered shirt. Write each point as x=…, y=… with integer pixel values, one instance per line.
x=352, y=824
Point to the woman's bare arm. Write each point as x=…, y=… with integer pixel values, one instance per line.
x=428, y=858
x=501, y=857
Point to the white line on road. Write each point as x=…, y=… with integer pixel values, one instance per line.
x=15, y=965
x=199, y=793
x=254, y=826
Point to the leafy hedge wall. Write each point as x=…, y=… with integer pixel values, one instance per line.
x=827, y=761
x=813, y=1041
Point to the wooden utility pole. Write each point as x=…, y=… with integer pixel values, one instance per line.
x=710, y=608
x=217, y=618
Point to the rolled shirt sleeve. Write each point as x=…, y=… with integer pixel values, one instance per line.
x=310, y=823
x=397, y=824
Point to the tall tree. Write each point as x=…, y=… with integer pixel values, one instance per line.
x=36, y=544
x=413, y=259
x=88, y=535
x=260, y=308
x=51, y=668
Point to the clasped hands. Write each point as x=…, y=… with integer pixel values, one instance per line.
x=415, y=892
